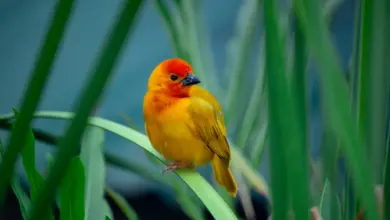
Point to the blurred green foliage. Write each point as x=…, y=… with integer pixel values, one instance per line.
x=274, y=114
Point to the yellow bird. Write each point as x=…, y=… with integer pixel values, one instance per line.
x=185, y=123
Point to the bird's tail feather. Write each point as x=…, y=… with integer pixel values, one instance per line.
x=224, y=176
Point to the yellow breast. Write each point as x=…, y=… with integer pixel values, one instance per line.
x=170, y=134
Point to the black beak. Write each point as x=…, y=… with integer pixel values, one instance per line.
x=190, y=79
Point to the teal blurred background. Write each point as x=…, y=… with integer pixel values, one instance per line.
x=22, y=27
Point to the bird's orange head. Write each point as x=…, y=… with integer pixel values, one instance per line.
x=174, y=77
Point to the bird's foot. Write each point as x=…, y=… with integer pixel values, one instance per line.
x=176, y=165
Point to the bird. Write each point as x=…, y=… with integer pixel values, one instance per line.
x=185, y=123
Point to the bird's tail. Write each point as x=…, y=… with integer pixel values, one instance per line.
x=224, y=176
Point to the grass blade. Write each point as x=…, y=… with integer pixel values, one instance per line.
x=28, y=159
x=107, y=210
x=298, y=85
x=92, y=157
x=330, y=157
x=325, y=201
x=286, y=136
x=374, y=81
x=330, y=205
x=336, y=100
x=72, y=192
x=121, y=202
x=299, y=79
x=24, y=201
x=199, y=185
x=38, y=79
x=69, y=144
x=349, y=202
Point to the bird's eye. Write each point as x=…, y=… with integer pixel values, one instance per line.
x=174, y=77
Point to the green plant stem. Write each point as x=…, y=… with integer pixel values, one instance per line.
x=378, y=84
x=298, y=84
x=38, y=79
x=373, y=82
x=349, y=201
x=278, y=164
x=69, y=145
x=288, y=165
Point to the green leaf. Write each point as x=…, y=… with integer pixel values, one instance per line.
x=325, y=201
x=121, y=202
x=374, y=81
x=72, y=191
x=49, y=165
x=40, y=74
x=107, y=210
x=24, y=201
x=198, y=184
x=329, y=205
x=336, y=102
x=289, y=175
x=137, y=168
x=28, y=159
x=86, y=102
x=92, y=157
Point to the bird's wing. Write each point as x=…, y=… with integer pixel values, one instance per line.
x=207, y=124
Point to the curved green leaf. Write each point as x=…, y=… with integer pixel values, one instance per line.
x=107, y=210
x=72, y=192
x=92, y=157
x=194, y=180
x=28, y=160
x=121, y=202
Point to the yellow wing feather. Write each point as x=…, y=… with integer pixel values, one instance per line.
x=208, y=124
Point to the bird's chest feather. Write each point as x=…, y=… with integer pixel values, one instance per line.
x=171, y=134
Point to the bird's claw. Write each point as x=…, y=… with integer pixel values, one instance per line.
x=174, y=166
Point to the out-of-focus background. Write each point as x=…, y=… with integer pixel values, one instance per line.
x=22, y=27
